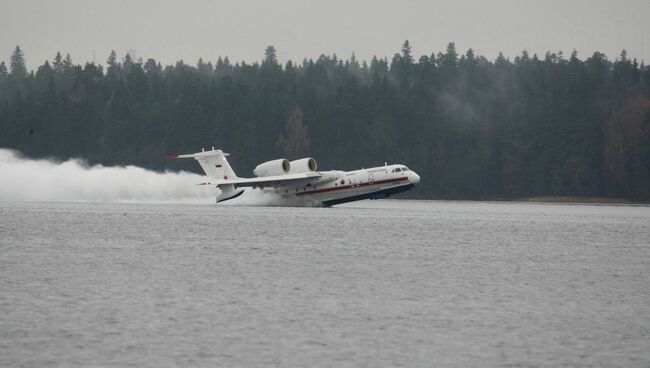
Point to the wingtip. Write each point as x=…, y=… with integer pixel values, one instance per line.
x=172, y=157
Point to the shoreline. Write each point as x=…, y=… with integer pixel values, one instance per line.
x=582, y=200
x=544, y=199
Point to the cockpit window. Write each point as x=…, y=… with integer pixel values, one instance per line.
x=405, y=168
x=397, y=170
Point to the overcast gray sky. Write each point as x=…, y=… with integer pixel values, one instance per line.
x=172, y=30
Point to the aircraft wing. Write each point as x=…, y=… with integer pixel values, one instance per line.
x=268, y=181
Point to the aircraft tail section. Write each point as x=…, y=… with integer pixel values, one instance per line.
x=214, y=163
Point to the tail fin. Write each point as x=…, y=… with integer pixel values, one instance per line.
x=213, y=162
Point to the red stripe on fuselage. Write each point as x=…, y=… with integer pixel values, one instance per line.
x=352, y=186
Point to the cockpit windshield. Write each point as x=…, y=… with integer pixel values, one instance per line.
x=400, y=169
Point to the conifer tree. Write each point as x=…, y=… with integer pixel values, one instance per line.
x=18, y=69
x=407, y=58
x=58, y=63
x=270, y=56
x=3, y=71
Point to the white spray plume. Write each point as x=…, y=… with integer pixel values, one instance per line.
x=73, y=180
x=259, y=197
x=23, y=179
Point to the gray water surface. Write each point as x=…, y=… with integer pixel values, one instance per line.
x=381, y=283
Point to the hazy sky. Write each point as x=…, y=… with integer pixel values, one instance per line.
x=173, y=30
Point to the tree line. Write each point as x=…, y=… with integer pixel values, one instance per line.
x=473, y=128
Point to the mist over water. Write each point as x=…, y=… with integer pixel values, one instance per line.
x=25, y=179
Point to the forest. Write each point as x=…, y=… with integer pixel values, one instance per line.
x=472, y=127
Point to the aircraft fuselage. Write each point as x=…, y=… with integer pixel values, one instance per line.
x=336, y=187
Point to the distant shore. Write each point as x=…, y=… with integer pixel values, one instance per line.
x=550, y=199
x=568, y=199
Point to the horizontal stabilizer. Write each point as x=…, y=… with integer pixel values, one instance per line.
x=198, y=155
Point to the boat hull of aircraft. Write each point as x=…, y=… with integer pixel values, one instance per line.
x=383, y=193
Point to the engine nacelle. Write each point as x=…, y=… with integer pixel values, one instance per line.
x=306, y=164
x=270, y=168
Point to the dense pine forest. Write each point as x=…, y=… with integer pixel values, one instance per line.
x=473, y=128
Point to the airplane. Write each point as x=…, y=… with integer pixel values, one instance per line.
x=300, y=178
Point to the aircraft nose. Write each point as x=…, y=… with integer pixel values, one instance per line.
x=414, y=178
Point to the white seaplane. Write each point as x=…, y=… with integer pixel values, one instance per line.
x=301, y=178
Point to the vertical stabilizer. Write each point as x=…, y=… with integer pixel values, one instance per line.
x=213, y=163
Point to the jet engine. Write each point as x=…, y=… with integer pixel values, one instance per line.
x=270, y=168
x=307, y=164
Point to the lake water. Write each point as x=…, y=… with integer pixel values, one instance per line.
x=375, y=283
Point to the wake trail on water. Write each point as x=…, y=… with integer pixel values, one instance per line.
x=24, y=179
